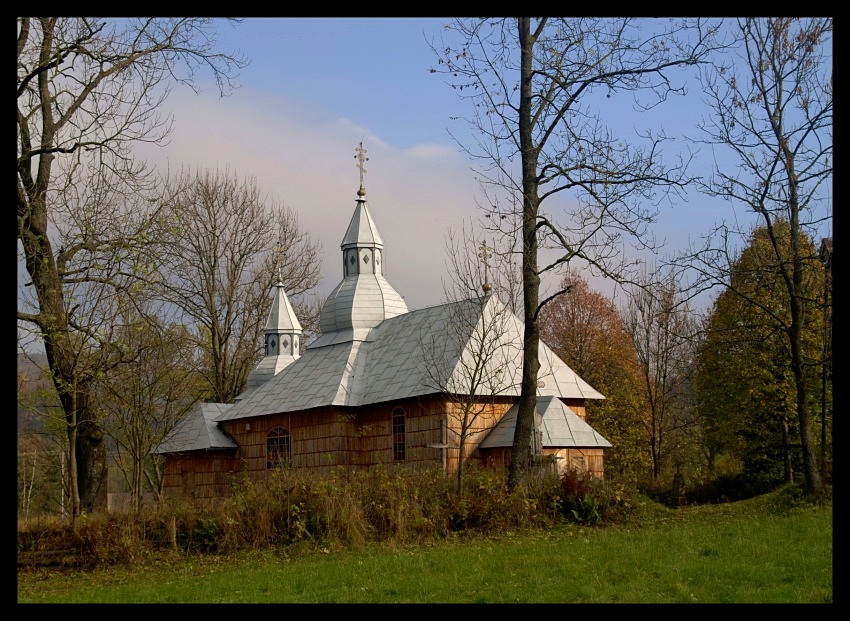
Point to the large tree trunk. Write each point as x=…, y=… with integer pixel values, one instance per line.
x=63, y=361
x=786, y=453
x=91, y=466
x=530, y=279
x=814, y=485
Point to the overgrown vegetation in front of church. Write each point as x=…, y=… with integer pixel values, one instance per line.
x=345, y=509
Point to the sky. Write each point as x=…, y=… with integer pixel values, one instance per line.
x=317, y=87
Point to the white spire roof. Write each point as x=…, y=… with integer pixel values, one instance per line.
x=282, y=317
x=282, y=341
x=364, y=298
x=362, y=230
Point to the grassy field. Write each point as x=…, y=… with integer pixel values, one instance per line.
x=744, y=552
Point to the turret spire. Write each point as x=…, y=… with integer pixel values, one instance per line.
x=361, y=160
x=364, y=298
x=279, y=255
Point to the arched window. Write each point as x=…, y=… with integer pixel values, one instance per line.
x=278, y=448
x=398, y=435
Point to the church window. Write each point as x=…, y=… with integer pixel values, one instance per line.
x=278, y=448
x=399, y=440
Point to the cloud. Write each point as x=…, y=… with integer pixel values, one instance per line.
x=305, y=157
x=431, y=150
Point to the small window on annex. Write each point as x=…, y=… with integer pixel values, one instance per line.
x=278, y=448
x=398, y=435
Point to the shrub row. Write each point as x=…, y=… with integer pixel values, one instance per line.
x=345, y=508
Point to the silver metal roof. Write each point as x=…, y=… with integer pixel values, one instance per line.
x=362, y=230
x=284, y=326
x=282, y=317
x=198, y=431
x=558, y=425
x=364, y=298
x=397, y=360
x=356, y=305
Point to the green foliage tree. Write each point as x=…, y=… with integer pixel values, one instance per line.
x=87, y=90
x=586, y=331
x=772, y=110
x=534, y=84
x=745, y=381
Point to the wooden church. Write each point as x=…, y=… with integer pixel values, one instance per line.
x=381, y=385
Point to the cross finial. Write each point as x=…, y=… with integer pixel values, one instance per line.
x=279, y=253
x=361, y=160
x=485, y=255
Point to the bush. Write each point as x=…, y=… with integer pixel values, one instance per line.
x=593, y=502
x=733, y=487
x=344, y=508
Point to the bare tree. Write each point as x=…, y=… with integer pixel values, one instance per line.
x=87, y=90
x=534, y=84
x=141, y=401
x=232, y=245
x=772, y=110
x=664, y=332
x=42, y=441
x=464, y=359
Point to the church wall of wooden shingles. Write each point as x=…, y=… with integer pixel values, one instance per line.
x=200, y=475
x=332, y=436
x=583, y=460
x=577, y=406
x=328, y=437
x=487, y=412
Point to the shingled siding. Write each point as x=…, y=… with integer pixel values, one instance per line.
x=486, y=415
x=585, y=461
x=577, y=406
x=326, y=437
x=201, y=475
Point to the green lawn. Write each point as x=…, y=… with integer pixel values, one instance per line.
x=697, y=554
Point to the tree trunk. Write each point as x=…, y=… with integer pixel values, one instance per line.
x=90, y=458
x=786, y=451
x=530, y=278
x=814, y=485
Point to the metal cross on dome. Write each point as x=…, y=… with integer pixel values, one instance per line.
x=361, y=160
x=485, y=255
x=279, y=253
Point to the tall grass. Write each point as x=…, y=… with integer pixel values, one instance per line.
x=346, y=509
x=765, y=550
